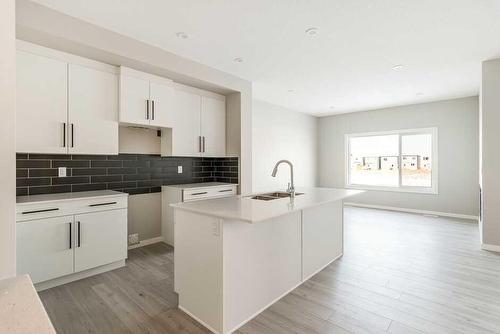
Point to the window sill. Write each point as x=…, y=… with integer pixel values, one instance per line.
x=413, y=190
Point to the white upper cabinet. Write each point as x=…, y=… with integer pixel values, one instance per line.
x=198, y=124
x=145, y=99
x=65, y=104
x=41, y=111
x=93, y=111
x=213, y=126
x=162, y=101
x=134, y=100
x=185, y=134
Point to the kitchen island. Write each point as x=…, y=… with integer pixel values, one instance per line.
x=236, y=256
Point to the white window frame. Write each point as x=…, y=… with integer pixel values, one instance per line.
x=400, y=188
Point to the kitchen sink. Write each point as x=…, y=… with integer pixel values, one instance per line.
x=273, y=195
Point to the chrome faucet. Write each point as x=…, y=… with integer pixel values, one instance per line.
x=291, y=187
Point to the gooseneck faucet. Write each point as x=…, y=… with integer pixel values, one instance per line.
x=291, y=187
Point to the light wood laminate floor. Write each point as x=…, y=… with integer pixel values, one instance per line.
x=400, y=273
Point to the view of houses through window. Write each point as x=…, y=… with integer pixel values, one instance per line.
x=395, y=159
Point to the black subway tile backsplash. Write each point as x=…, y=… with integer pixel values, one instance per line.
x=131, y=173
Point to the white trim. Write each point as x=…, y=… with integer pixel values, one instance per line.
x=423, y=212
x=407, y=189
x=492, y=248
x=78, y=276
x=146, y=242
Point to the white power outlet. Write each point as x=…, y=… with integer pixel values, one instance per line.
x=133, y=239
x=62, y=171
x=179, y=169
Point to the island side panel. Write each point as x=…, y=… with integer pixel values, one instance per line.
x=198, y=267
x=322, y=237
x=262, y=262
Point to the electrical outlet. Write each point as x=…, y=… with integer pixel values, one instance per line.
x=179, y=169
x=62, y=171
x=133, y=239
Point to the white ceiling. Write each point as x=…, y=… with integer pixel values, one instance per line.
x=348, y=64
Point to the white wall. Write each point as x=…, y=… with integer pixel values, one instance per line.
x=278, y=134
x=7, y=137
x=490, y=158
x=458, y=151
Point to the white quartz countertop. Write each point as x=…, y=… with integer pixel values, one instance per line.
x=68, y=196
x=21, y=311
x=250, y=210
x=199, y=185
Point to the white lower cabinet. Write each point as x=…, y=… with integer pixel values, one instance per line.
x=45, y=248
x=101, y=238
x=83, y=237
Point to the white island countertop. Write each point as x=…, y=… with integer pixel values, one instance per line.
x=244, y=208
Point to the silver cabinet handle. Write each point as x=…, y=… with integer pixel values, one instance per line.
x=153, y=110
x=200, y=193
x=199, y=143
x=64, y=134
x=147, y=109
x=225, y=190
x=72, y=135
x=203, y=143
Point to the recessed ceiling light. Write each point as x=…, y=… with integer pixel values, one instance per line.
x=398, y=67
x=291, y=90
x=331, y=107
x=238, y=60
x=420, y=94
x=182, y=35
x=313, y=31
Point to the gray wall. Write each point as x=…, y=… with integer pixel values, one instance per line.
x=490, y=148
x=7, y=137
x=458, y=152
x=279, y=133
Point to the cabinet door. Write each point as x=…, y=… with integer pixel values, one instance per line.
x=186, y=124
x=134, y=96
x=213, y=126
x=41, y=112
x=162, y=96
x=93, y=111
x=44, y=248
x=101, y=238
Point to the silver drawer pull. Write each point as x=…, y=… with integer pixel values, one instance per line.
x=38, y=211
x=225, y=190
x=101, y=204
x=202, y=193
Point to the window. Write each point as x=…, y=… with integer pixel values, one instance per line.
x=403, y=160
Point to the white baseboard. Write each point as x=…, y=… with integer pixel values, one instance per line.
x=78, y=276
x=492, y=248
x=423, y=212
x=146, y=242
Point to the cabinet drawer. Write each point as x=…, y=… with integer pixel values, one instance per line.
x=206, y=193
x=31, y=211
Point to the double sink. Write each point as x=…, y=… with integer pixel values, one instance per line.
x=273, y=195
